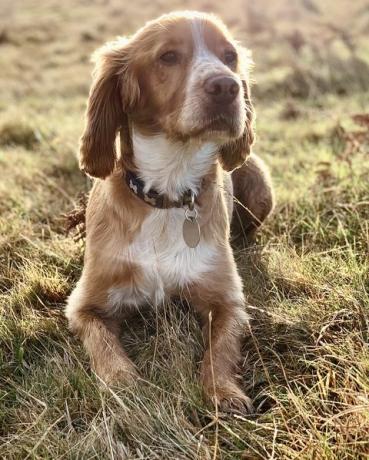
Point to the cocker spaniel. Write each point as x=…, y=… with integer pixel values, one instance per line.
x=159, y=214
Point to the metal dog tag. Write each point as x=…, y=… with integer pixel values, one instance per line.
x=191, y=229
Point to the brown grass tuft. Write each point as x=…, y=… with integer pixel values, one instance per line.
x=17, y=133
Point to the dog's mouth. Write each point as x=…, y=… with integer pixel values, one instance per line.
x=221, y=125
x=218, y=127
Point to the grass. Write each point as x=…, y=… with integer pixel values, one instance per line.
x=306, y=361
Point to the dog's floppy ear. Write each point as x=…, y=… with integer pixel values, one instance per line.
x=113, y=91
x=234, y=153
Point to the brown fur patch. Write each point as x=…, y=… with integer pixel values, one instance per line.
x=253, y=191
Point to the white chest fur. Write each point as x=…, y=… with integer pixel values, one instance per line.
x=159, y=251
x=172, y=167
x=165, y=262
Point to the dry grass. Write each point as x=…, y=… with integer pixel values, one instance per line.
x=306, y=362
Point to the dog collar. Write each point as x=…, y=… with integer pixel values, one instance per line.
x=191, y=229
x=155, y=199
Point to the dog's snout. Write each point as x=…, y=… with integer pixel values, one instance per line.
x=222, y=89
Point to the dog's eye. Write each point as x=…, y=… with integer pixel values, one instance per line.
x=170, y=58
x=230, y=57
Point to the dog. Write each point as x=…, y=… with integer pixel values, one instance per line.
x=159, y=213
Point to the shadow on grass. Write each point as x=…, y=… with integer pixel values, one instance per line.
x=272, y=352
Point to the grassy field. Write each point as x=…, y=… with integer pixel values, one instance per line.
x=306, y=363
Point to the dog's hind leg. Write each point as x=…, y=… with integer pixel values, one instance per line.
x=254, y=198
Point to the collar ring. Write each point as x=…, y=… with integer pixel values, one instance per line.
x=189, y=200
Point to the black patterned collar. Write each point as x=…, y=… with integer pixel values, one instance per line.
x=155, y=199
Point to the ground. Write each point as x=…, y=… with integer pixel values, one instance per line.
x=306, y=362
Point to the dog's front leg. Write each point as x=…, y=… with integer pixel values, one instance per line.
x=220, y=301
x=99, y=332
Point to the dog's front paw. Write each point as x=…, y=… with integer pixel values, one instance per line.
x=236, y=404
x=229, y=398
x=115, y=371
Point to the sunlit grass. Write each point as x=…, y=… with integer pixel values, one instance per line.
x=306, y=360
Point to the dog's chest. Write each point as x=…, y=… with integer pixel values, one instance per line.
x=165, y=263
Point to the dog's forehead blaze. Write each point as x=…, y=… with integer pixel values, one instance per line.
x=182, y=33
x=210, y=35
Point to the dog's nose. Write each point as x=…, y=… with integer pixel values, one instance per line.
x=222, y=90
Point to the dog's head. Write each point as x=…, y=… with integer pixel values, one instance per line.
x=181, y=75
